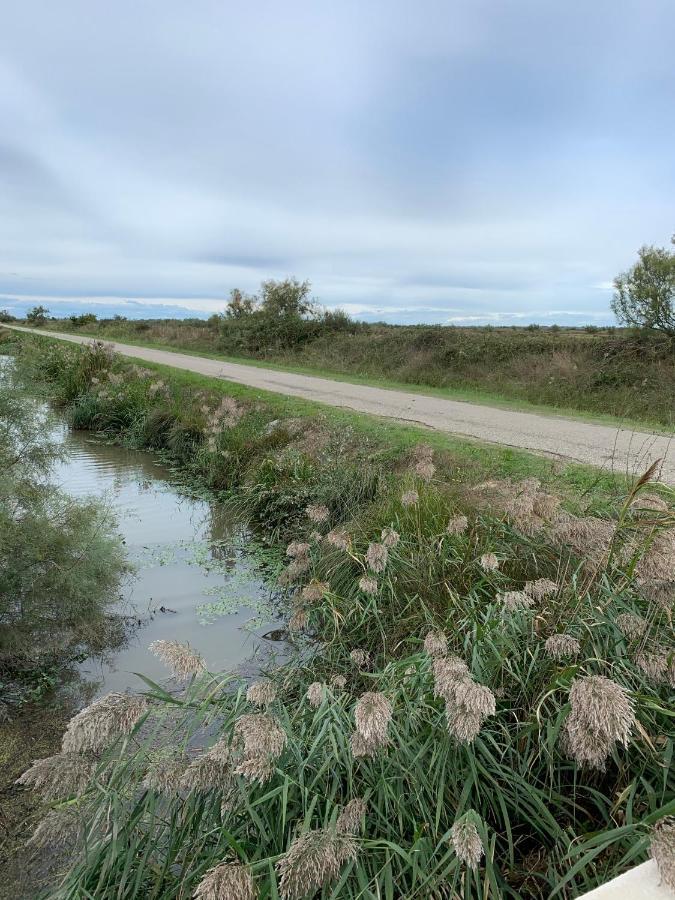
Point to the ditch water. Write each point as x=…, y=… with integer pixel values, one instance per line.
x=196, y=575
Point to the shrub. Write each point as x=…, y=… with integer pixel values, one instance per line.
x=61, y=563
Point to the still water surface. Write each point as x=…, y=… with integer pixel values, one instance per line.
x=190, y=557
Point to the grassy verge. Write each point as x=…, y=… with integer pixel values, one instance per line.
x=479, y=705
x=463, y=394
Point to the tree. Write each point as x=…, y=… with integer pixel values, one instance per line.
x=240, y=304
x=645, y=294
x=287, y=299
x=37, y=315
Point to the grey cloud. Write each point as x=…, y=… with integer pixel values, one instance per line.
x=456, y=158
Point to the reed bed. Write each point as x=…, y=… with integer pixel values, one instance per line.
x=480, y=705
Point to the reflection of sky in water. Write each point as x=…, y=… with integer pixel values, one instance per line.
x=188, y=556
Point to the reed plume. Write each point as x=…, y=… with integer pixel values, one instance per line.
x=262, y=693
x=457, y=525
x=60, y=776
x=410, y=498
x=435, y=644
x=601, y=716
x=368, y=585
x=339, y=538
x=98, y=725
x=315, y=591
x=313, y=860
x=227, y=881
x=372, y=714
x=351, y=816
x=181, y=659
x=489, y=562
x=317, y=513
x=541, y=588
x=390, y=538
x=662, y=849
x=315, y=694
x=561, y=646
x=465, y=840
x=376, y=557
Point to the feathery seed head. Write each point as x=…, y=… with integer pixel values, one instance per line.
x=436, y=643
x=315, y=591
x=59, y=828
x=476, y=699
x=448, y=671
x=514, y=601
x=262, y=693
x=658, y=563
x=425, y=469
x=313, y=860
x=263, y=741
x=339, y=538
x=317, y=513
x=372, y=714
x=368, y=584
x=360, y=658
x=658, y=664
x=376, y=557
x=601, y=715
x=99, y=724
x=315, y=694
x=210, y=771
x=351, y=816
x=298, y=619
x=338, y=682
x=227, y=881
x=542, y=587
x=164, y=775
x=60, y=776
x=410, y=498
x=662, y=849
x=631, y=625
x=457, y=525
x=389, y=537
x=466, y=841
x=464, y=726
x=181, y=659
x=489, y=562
x=297, y=549
x=560, y=646
x=361, y=747
x=660, y=592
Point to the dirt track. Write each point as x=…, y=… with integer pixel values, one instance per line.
x=618, y=449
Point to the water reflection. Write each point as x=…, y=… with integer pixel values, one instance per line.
x=195, y=578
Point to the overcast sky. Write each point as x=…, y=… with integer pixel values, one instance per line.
x=478, y=161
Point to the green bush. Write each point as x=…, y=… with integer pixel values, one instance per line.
x=61, y=560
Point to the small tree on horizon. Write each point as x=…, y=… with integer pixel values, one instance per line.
x=37, y=315
x=645, y=295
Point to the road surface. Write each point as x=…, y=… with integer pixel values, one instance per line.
x=620, y=450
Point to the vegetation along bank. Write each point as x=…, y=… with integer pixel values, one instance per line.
x=480, y=702
x=626, y=373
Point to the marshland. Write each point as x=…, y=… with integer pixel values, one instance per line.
x=475, y=695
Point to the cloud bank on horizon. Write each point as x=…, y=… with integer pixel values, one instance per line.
x=459, y=161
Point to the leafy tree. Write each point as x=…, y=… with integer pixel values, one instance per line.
x=37, y=315
x=240, y=304
x=6, y=316
x=645, y=294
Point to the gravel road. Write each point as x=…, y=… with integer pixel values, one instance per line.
x=620, y=449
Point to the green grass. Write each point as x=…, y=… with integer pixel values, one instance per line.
x=468, y=395
x=469, y=460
